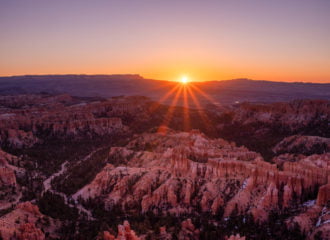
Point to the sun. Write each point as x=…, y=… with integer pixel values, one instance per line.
x=184, y=80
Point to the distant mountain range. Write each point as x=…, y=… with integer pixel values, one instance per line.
x=219, y=92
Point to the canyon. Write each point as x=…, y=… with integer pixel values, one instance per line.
x=118, y=168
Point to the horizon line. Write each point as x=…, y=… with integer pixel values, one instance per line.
x=141, y=76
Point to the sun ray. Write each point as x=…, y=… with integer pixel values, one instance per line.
x=163, y=99
x=183, y=91
x=186, y=116
x=200, y=110
x=169, y=113
x=208, y=97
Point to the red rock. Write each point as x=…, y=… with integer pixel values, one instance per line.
x=7, y=177
x=124, y=233
x=107, y=236
x=59, y=116
x=163, y=234
x=188, y=231
x=323, y=196
x=235, y=237
x=187, y=170
x=29, y=207
x=29, y=231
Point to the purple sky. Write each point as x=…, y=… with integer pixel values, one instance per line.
x=267, y=39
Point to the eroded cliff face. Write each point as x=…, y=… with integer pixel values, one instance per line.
x=185, y=172
x=39, y=118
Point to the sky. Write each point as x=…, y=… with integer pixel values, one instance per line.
x=282, y=40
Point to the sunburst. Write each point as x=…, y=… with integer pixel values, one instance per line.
x=190, y=94
x=184, y=80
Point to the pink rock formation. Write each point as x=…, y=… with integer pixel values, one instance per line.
x=305, y=220
x=188, y=231
x=176, y=173
x=58, y=116
x=17, y=138
x=235, y=237
x=323, y=196
x=124, y=233
x=316, y=212
x=163, y=234
x=29, y=231
x=181, y=171
x=107, y=236
x=29, y=207
x=7, y=177
x=26, y=221
x=7, y=173
x=322, y=229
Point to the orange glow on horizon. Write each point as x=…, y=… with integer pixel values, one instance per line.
x=210, y=40
x=184, y=80
x=199, y=73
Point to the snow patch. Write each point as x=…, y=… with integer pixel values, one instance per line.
x=309, y=203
